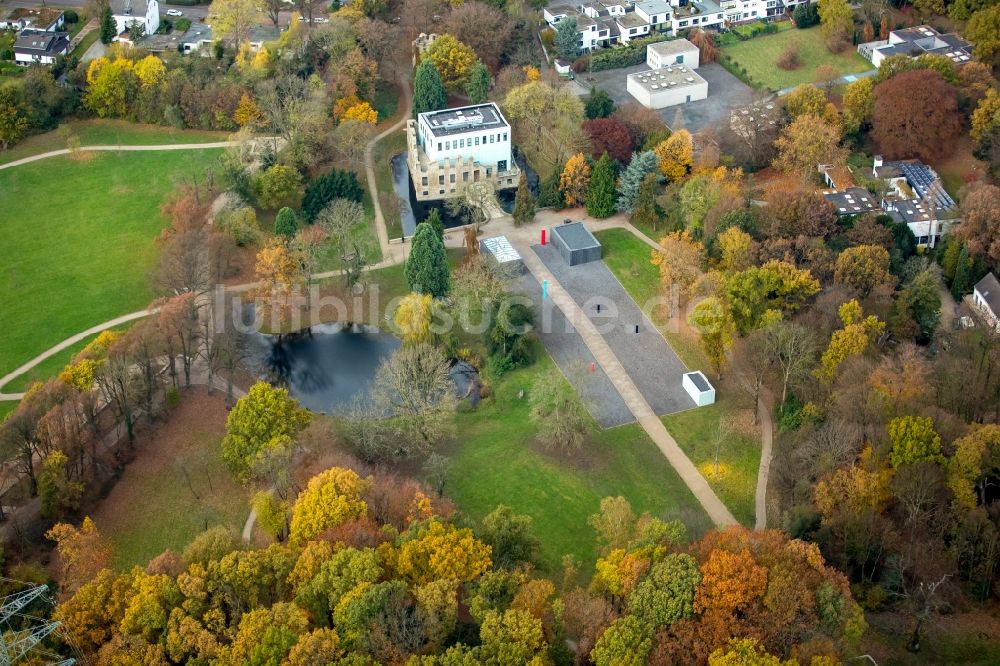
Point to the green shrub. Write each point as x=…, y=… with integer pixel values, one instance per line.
x=6, y=54
x=182, y=25
x=71, y=16
x=634, y=53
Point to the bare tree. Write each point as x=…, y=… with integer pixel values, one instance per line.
x=794, y=348
x=753, y=363
x=414, y=390
x=178, y=319
x=119, y=384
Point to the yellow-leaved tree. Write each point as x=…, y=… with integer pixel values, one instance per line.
x=675, y=154
x=362, y=111
x=439, y=551
x=453, y=60
x=681, y=259
x=574, y=181
x=151, y=71
x=851, y=340
x=331, y=498
x=413, y=317
x=247, y=113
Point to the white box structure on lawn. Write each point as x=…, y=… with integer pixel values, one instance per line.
x=699, y=388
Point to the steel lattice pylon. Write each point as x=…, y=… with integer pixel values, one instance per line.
x=24, y=640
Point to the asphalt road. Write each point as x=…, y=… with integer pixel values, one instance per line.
x=198, y=11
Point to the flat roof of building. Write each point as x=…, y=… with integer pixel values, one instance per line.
x=576, y=236
x=464, y=119
x=697, y=8
x=852, y=201
x=654, y=6
x=631, y=20
x=500, y=248
x=667, y=78
x=40, y=16
x=672, y=47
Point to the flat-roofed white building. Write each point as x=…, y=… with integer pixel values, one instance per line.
x=674, y=52
x=451, y=148
x=669, y=86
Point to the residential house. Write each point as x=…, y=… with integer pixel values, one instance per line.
x=688, y=14
x=915, y=196
x=126, y=13
x=912, y=194
x=40, y=46
x=44, y=19
x=742, y=11
x=917, y=41
x=986, y=298
x=656, y=13
x=448, y=149
x=199, y=35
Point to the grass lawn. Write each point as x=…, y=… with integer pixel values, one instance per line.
x=109, y=132
x=50, y=367
x=386, y=100
x=759, y=56
x=6, y=407
x=696, y=431
x=629, y=259
x=77, y=239
x=381, y=159
x=497, y=461
x=176, y=487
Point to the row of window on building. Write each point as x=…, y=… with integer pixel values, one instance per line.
x=460, y=143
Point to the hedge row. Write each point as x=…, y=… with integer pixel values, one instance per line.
x=634, y=53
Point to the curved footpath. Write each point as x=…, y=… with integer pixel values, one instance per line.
x=93, y=149
x=765, y=410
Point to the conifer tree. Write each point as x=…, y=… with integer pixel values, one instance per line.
x=108, y=26
x=478, y=86
x=960, y=284
x=549, y=195
x=434, y=219
x=427, y=267
x=642, y=164
x=524, y=203
x=601, y=195
x=285, y=224
x=428, y=89
x=646, y=211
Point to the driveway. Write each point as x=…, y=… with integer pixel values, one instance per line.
x=725, y=92
x=645, y=355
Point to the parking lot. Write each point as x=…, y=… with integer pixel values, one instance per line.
x=725, y=92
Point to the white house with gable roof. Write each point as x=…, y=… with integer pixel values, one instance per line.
x=128, y=12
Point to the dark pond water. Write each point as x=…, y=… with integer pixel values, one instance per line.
x=325, y=367
x=411, y=211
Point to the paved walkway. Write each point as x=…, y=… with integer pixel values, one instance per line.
x=637, y=404
x=765, y=408
x=380, y=228
x=68, y=342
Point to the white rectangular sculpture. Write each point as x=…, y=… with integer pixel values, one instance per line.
x=699, y=388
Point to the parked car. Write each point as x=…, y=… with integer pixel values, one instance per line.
x=321, y=19
x=174, y=12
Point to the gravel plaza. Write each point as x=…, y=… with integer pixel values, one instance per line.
x=646, y=356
